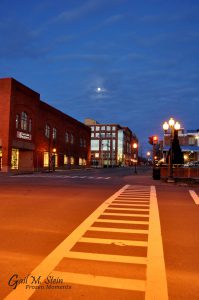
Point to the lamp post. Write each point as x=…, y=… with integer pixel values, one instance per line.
x=53, y=158
x=173, y=125
x=135, y=145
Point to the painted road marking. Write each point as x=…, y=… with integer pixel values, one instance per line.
x=154, y=260
x=101, y=281
x=194, y=196
x=60, y=176
x=113, y=241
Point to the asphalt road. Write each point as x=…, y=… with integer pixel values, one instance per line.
x=65, y=215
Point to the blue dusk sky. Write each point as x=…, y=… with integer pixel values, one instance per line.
x=142, y=54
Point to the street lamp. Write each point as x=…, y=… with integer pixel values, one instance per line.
x=53, y=158
x=135, y=145
x=173, y=125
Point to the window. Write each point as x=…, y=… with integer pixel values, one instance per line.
x=108, y=128
x=113, y=128
x=24, y=121
x=30, y=125
x=72, y=139
x=46, y=159
x=92, y=128
x=106, y=145
x=92, y=134
x=80, y=161
x=191, y=140
x=113, y=145
x=84, y=143
x=17, y=121
x=72, y=160
x=66, y=137
x=15, y=159
x=94, y=145
x=54, y=133
x=81, y=142
x=97, y=128
x=66, y=160
x=103, y=128
x=84, y=162
x=47, y=131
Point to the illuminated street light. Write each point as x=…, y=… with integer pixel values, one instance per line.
x=173, y=125
x=135, y=146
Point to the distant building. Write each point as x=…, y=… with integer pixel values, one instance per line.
x=189, y=143
x=36, y=136
x=111, y=145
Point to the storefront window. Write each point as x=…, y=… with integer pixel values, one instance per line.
x=80, y=161
x=66, y=160
x=15, y=159
x=46, y=159
x=0, y=158
x=72, y=160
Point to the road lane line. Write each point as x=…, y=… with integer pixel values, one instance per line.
x=118, y=230
x=194, y=196
x=107, y=257
x=156, y=285
x=113, y=241
x=101, y=281
x=52, y=260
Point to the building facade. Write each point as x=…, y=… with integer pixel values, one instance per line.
x=189, y=143
x=35, y=136
x=111, y=145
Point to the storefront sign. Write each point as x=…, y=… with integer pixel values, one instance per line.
x=23, y=135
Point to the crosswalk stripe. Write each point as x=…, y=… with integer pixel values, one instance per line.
x=122, y=221
x=107, y=257
x=113, y=241
x=194, y=196
x=124, y=215
x=93, y=228
x=133, y=209
x=101, y=281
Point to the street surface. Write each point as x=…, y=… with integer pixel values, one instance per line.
x=98, y=234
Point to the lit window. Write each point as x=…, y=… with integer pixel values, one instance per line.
x=54, y=133
x=15, y=159
x=84, y=161
x=47, y=131
x=80, y=161
x=97, y=128
x=94, y=145
x=46, y=159
x=92, y=134
x=17, y=121
x=103, y=128
x=113, y=127
x=72, y=160
x=92, y=128
x=24, y=121
x=108, y=128
x=66, y=160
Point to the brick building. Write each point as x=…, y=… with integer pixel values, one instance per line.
x=111, y=145
x=36, y=136
x=189, y=143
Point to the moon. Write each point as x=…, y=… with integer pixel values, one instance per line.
x=99, y=89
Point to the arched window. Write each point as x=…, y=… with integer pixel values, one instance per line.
x=24, y=121
x=66, y=137
x=17, y=121
x=47, y=131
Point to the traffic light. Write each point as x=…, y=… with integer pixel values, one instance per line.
x=153, y=140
